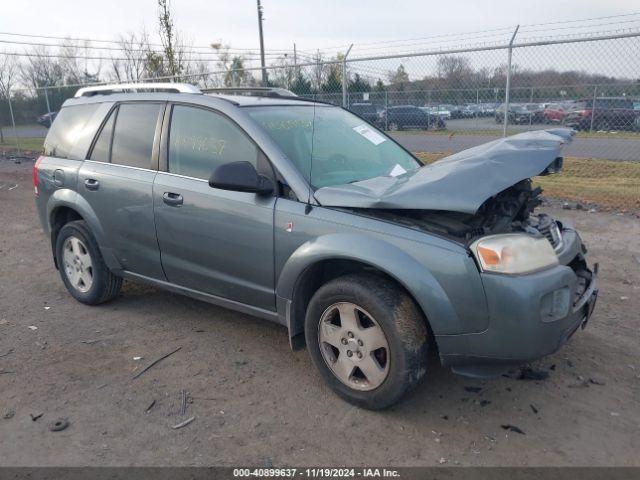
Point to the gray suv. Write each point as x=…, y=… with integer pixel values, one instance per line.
x=301, y=213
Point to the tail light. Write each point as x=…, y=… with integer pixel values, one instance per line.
x=584, y=113
x=35, y=176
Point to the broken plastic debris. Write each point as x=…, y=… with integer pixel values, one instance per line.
x=513, y=428
x=33, y=327
x=138, y=358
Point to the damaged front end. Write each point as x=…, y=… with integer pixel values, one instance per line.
x=538, y=286
x=507, y=212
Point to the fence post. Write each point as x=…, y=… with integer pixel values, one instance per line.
x=508, y=85
x=530, y=101
x=46, y=97
x=344, y=77
x=386, y=110
x=593, y=108
x=13, y=122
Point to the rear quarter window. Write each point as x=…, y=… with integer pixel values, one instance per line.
x=66, y=129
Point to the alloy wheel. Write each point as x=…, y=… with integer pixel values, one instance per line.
x=354, y=346
x=78, y=265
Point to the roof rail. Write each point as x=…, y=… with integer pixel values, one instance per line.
x=137, y=87
x=252, y=91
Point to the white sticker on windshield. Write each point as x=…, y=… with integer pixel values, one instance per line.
x=397, y=170
x=371, y=135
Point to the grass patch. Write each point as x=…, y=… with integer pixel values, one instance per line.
x=26, y=144
x=587, y=180
x=620, y=135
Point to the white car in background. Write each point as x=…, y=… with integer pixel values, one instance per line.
x=437, y=111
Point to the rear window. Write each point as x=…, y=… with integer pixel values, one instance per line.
x=134, y=134
x=66, y=129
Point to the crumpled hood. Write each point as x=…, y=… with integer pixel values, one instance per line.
x=460, y=182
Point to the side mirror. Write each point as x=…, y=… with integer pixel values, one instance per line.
x=240, y=177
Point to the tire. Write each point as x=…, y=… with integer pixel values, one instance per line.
x=82, y=268
x=382, y=312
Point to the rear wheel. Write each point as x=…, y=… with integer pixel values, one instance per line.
x=367, y=338
x=82, y=268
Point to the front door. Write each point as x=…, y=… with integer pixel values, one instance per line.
x=214, y=241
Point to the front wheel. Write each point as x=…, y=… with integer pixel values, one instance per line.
x=367, y=338
x=82, y=268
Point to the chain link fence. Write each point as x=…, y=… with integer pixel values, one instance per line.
x=443, y=101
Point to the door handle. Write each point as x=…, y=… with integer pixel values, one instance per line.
x=172, y=199
x=91, y=184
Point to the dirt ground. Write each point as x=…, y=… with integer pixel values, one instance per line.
x=257, y=403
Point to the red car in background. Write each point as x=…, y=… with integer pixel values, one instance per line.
x=554, y=113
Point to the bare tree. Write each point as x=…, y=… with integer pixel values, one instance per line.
x=318, y=71
x=233, y=67
x=41, y=70
x=8, y=75
x=135, y=52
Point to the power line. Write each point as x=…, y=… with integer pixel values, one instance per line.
x=126, y=49
x=86, y=57
x=464, y=35
x=120, y=42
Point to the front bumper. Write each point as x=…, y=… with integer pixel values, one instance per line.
x=530, y=315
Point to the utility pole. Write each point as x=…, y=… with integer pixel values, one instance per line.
x=264, y=69
x=295, y=55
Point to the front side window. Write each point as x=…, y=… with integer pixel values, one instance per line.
x=331, y=146
x=201, y=140
x=134, y=134
x=66, y=129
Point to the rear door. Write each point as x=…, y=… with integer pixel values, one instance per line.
x=215, y=241
x=117, y=182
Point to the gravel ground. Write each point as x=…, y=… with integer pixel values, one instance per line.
x=255, y=402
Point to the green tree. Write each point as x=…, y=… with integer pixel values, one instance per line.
x=358, y=85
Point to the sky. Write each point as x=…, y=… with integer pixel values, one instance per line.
x=311, y=24
x=332, y=25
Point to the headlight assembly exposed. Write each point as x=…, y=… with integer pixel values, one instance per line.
x=514, y=254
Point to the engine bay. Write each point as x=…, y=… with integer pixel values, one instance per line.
x=511, y=210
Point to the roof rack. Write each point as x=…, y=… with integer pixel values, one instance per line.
x=137, y=87
x=252, y=91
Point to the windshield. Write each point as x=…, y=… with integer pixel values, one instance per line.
x=331, y=146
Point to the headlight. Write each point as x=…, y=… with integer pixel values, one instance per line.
x=514, y=253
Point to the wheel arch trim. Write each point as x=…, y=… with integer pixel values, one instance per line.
x=376, y=253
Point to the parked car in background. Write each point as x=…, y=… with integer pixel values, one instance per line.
x=454, y=110
x=366, y=111
x=46, y=119
x=300, y=213
x=488, y=109
x=408, y=116
x=517, y=113
x=554, y=113
x=536, y=112
x=609, y=113
x=439, y=110
x=471, y=110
